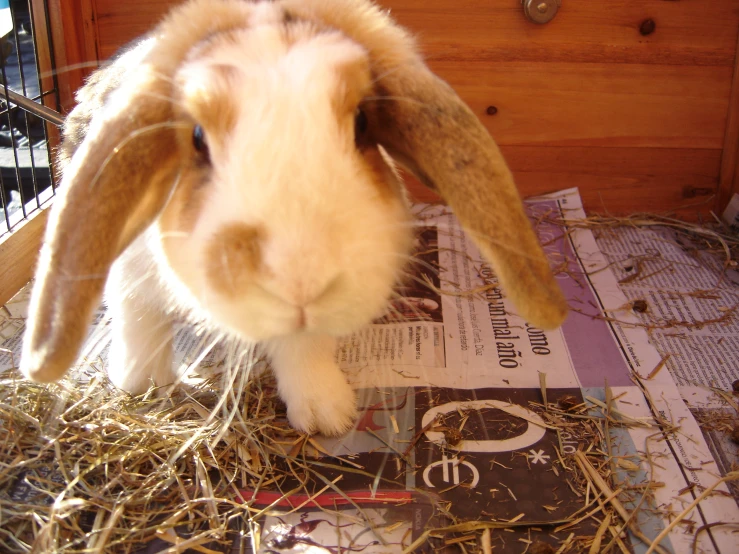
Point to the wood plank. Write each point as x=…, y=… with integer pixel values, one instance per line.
x=74, y=37
x=604, y=104
x=569, y=92
x=699, y=32
x=562, y=104
x=121, y=22
x=18, y=253
x=556, y=103
x=622, y=181
x=552, y=103
x=43, y=49
x=729, y=181
x=694, y=163
x=619, y=181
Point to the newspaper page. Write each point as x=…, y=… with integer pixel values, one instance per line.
x=450, y=384
x=687, y=299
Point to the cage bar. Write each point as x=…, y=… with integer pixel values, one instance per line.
x=26, y=176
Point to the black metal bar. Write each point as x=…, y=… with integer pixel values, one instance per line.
x=18, y=53
x=18, y=175
x=30, y=106
x=35, y=75
x=40, y=82
x=4, y=88
x=22, y=75
x=54, y=77
x=4, y=200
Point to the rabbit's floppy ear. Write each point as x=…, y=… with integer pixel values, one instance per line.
x=424, y=125
x=115, y=183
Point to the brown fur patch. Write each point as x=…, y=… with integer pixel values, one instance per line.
x=111, y=190
x=208, y=99
x=233, y=258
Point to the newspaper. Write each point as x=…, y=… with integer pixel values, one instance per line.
x=688, y=299
x=440, y=354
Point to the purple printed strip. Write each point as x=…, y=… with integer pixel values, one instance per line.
x=593, y=348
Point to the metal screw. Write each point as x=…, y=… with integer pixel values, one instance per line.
x=540, y=11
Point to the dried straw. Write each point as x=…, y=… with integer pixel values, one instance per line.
x=104, y=472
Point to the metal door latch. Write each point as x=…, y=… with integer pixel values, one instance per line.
x=540, y=11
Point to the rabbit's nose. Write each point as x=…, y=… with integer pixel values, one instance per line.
x=234, y=257
x=322, y=290
x=303, y=291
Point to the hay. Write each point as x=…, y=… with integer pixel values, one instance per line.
x=711, y=237
x=92, y=469
x=101, y=471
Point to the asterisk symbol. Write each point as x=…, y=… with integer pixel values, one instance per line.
x=539, y=456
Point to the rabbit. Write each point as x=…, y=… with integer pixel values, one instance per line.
x=236, y=167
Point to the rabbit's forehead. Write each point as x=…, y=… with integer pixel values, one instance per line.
x=263, y=66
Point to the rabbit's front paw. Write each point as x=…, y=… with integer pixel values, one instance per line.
x=330, y=409
x=309, y=380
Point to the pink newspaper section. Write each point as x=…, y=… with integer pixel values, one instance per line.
x=594, y=349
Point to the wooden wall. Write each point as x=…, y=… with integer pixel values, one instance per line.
x=636, y=119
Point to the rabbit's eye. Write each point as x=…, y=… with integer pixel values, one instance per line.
x=198, y=140
x=360, y=123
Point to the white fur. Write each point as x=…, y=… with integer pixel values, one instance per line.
x=334, y=248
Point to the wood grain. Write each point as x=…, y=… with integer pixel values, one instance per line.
x=18, y=253
x=619, y=181
x=635, y=121
x=729, y=178
x=558, y=104
x=699, y=32
x=74, y=35
x=121, y=22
